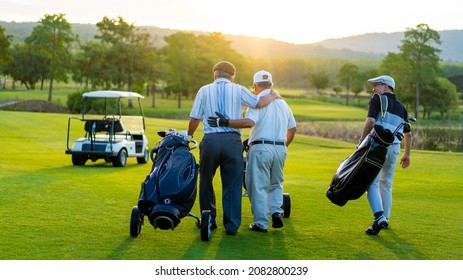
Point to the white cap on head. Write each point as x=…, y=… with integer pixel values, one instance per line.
x=262, y=76
x=384, y=79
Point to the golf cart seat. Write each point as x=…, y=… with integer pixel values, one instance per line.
x=107, y=125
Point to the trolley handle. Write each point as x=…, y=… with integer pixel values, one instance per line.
x=195, y=144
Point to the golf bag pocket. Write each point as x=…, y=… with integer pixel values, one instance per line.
x=164, y=216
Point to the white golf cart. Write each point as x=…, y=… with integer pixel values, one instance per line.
x=112, y=137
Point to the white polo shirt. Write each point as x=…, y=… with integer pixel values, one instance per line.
x=272, y=121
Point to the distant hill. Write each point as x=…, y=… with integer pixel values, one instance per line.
x=382, y=43
x=270, y=48
x=371, y=46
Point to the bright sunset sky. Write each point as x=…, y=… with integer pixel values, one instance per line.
x=295, y=21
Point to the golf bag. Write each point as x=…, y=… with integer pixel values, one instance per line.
x=169, y=191
x=356, y=173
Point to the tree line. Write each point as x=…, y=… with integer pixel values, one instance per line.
x=123, y=57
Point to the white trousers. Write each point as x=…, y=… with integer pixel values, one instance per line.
x=264, y=181
x=379, y=193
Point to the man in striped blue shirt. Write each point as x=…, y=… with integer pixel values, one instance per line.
x=221, y=145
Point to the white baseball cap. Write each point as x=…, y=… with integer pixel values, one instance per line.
x=262, y=76
x=384, y=79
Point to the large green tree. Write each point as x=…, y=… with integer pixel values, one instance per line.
x=130, y=57
x=183, y=59
x=319, y=80
x=402, y=71
x=419, y=50
x=5, y=42
x=5, y=56
x=190, y=59
x=346, y=75
x=90, y=64
x=27, y=66
x=439, y=95
x=53, y=39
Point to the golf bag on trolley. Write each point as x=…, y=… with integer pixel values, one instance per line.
x=169, y=190
x=356, y=173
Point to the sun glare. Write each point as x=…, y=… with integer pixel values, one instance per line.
x=295, y=21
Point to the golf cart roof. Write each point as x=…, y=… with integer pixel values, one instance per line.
x=112, y=94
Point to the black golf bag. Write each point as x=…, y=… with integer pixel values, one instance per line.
x=169, y=191
x=356, y=173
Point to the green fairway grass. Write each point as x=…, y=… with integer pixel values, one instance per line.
x=52, y=210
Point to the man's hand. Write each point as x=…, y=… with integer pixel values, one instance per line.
x=221, y=120
x=276, y=94
x=405, y=161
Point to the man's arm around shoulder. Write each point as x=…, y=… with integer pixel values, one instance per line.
x=241, y=123
x=267, y=99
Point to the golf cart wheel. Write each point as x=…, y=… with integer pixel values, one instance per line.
x=206, y=226
x=145, y=157
x=136, y=221
x=121, y=159
x=286, y=205
x=79, y=160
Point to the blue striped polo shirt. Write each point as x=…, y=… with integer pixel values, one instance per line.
x=225, y=97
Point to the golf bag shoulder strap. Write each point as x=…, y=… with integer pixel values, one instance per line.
x=383, y=103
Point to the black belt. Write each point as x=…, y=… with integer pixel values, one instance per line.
x=226, y=132
x=230, y=133
x=267, y=142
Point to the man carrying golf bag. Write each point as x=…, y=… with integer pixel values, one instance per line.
x=379, y=194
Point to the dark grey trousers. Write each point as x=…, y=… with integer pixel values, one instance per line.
x=224, y=150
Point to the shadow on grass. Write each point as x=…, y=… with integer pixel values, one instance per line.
x=198, y=249
x=396, y=245
x=120, y=250
x=246, y=245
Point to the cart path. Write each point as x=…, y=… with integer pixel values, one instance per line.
x=4, y=103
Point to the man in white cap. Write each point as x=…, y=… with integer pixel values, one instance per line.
x=379, y=193
x=273, y=129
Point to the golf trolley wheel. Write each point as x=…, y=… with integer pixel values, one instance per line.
x=206, y=226
x=136, y=222
x=286, y=205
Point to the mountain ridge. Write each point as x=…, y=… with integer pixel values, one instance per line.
x=382, y=43
x=369, y=46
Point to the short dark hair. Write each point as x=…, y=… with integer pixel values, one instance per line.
x=264, y=85
x=223, y=74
